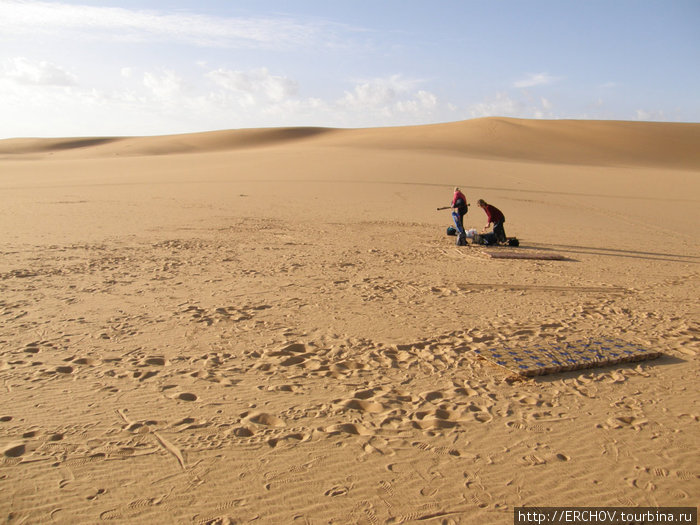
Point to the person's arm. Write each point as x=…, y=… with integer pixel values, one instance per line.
x=488, y=224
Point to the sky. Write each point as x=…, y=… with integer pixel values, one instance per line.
x=154, y=67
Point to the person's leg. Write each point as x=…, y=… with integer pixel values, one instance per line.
x=457, y=218
x=500, y=232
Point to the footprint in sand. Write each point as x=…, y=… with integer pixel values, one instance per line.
x=686, y=475
x=87, y=361
x=479, y=413
x=433, y=395
x=364, y=394
x=435, y=419
x=633, y=422
x=95, y=495
x=186, y=396
x=361, y=405
x=263, y=418
x=154, y=361
x=347, y=428
x=14, y=451
x=337, y=491
x=528, y=400
x=434, y=424
x=517, y=425
x=218, y=520
x=532, y=460
x=292, y=439
x=441, y=451
x=289, y=350
x=378, y=445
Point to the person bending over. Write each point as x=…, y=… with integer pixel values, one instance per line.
x=495, y=217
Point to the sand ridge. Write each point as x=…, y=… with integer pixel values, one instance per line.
x=284, y=333
x=562, y=141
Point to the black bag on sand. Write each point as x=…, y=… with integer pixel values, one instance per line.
x=451, y=230
x=486, y=239
x=489, y=239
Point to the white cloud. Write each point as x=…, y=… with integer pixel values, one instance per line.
x=535, y=79
x=500, y=104
x=120, y=24
x=505, y=105
x=255, y=86
x=391, y=100
x=166, y=85
x=426, y=99
x=377, y=92
x=163, y=101
x=642, y=114
x=24, y=71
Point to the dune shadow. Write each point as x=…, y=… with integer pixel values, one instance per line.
x=274, y=135
x=80, y=143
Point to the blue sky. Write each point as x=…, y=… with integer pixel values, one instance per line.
x=87, y=68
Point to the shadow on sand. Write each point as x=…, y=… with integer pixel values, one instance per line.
x=614, y=252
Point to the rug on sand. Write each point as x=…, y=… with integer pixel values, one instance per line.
x=519, y=254
x=564, y=356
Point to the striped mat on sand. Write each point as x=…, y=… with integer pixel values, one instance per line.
x=561, y=357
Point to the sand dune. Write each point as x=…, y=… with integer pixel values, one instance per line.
x=563, y=141
x=271, y=325
x=172, y=144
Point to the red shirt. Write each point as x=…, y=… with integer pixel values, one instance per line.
x=493, y=214
x=458, y=195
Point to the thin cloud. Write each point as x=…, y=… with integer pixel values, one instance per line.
x=378, y=91
x=505, y=105
x=388, y=100
x=120, y=24
x=653, y=115
x=535, y=79
x=255, y=84
x=27, y=72
x=166, y=86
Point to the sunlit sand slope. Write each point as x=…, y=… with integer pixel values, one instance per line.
x=271, y=326
x=560, y=141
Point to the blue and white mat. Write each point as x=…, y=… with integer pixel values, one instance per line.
x=561, y=357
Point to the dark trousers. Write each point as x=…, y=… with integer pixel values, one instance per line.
x=499, y=231
x=462, y=211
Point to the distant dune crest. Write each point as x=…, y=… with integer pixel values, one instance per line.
x=614, y=143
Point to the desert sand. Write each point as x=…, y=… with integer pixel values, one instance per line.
x=272, y=326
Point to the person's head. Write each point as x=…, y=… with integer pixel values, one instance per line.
x=481, y=203
x=456, y=189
